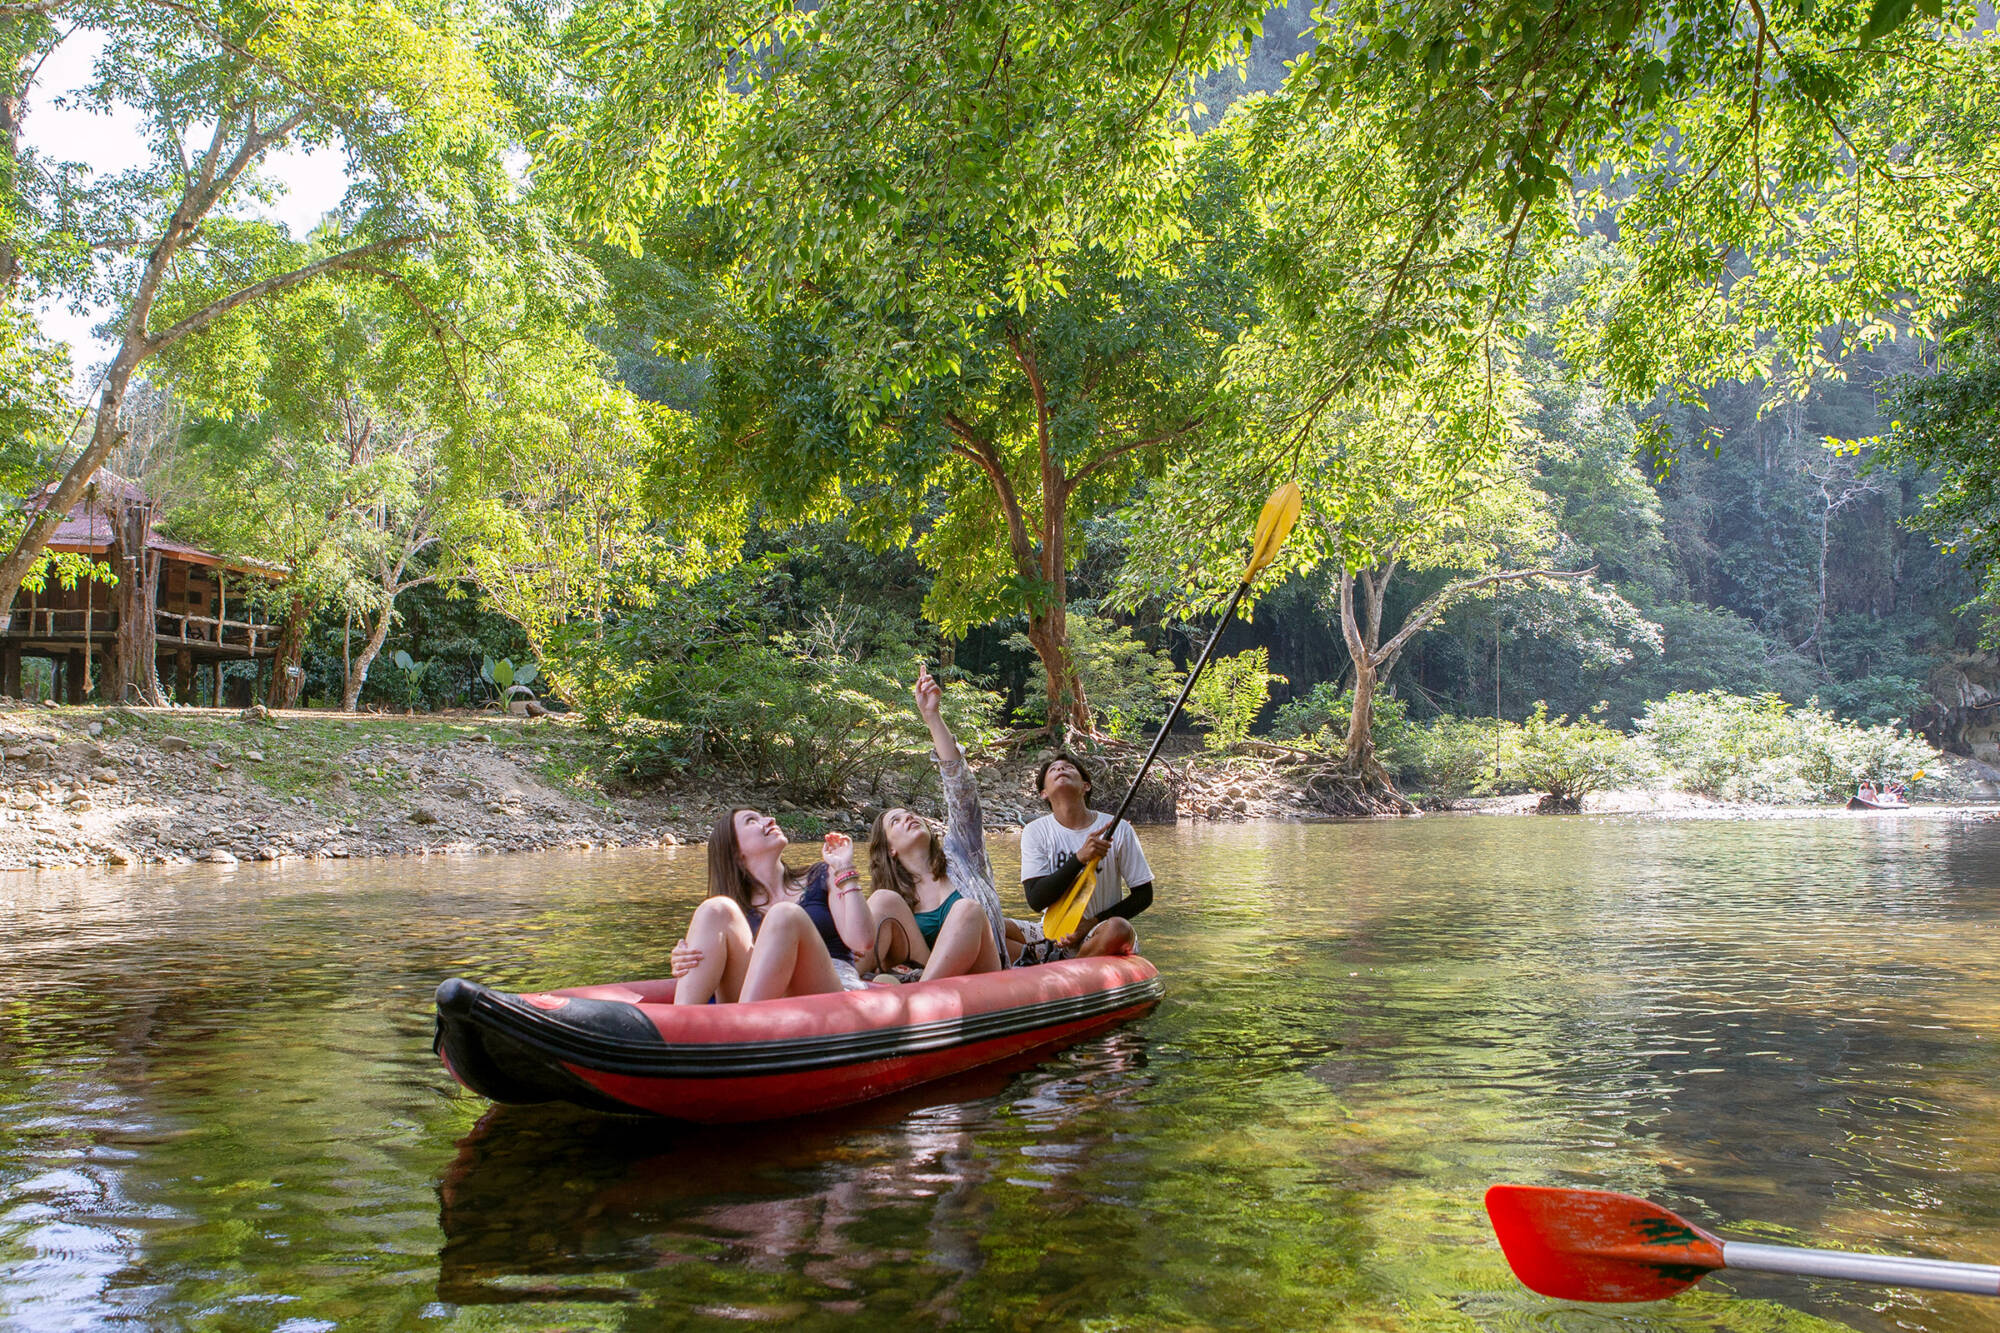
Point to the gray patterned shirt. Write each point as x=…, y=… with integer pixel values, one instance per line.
x=965, y=860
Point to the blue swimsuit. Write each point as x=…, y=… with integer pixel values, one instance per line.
x=819, y=906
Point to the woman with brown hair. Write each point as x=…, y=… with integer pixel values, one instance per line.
x=769, y=930
x=934, y=898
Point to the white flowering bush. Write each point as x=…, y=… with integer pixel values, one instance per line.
x=1760, y=748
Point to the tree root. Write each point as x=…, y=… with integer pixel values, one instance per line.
x=1339, y=792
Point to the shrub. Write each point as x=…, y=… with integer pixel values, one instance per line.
x=1448, y=758
x=1567, y=761
x=1230, y=694
x=1126, y=682
x=1319, y=719
x=810, y=726
x=1740, y=748
x=813, y=713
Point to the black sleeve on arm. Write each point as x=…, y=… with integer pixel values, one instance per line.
x=1045, y=891
x=1132, y=903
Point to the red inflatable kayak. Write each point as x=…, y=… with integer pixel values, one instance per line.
x=627, y=1047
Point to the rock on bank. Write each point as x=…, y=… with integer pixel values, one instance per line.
x=87, y=786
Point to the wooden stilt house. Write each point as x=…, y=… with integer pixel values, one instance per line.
x=177, y=614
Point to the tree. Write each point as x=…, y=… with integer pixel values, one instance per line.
x=574, y=501
x=977, y=259
x=1426, y=481
x=1787, y=180
x=349, y=396
x=406, y=521
x=1949, y=421
x=399, y=86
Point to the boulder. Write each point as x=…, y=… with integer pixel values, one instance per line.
x=175, y=744
x=104, y=775
x=220, y=856
x=423, y=814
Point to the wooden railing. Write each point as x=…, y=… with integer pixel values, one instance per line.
x=45, y=622
x=243, y=634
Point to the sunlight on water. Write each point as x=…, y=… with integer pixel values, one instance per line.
x=219, y=1109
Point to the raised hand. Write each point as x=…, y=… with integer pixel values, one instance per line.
x=837, y=849
x=930, y=695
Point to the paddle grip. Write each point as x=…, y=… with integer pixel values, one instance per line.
x=1881, y=1269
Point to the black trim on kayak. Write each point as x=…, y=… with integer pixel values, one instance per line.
x=621, y=1040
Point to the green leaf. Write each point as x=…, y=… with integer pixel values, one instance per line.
x=1884, y=18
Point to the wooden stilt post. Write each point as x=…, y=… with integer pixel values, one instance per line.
x=184, y=677
x=78, y=679
x=10, y=673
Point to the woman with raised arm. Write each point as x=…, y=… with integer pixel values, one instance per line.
x=767, y=929
x=934, y=901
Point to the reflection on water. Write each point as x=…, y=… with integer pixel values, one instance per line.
x=218, y=1106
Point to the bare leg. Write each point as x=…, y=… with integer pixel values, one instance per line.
x=964, y=944
x=1111, y=938
x=1016, y=940
x=897, y=939
x=790, y=958
x=722, y=933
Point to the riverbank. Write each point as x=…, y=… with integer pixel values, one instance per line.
x=126, y=786
x=83, y=786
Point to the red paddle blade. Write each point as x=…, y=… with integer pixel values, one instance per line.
x=1593, y=1245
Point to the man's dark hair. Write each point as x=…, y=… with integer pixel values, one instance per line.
x=1063, y=757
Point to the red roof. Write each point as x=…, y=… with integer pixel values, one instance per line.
x=91, y=526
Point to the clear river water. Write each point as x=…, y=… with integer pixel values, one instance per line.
x=219, y=1109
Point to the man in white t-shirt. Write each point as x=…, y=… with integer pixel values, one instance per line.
x=1054, y=849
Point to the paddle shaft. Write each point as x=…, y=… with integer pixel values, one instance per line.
x=1881, y=1269
x=1175, y=711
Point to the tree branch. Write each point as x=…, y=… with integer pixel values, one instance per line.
x=215, y=310
x=1162, y=437
x=1438, y=601
x=982, y=453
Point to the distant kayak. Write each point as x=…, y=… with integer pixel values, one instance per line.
x=1864, y=803
x=626, y=1047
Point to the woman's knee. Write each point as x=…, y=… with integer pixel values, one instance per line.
x=789, y=917
x=718, y=914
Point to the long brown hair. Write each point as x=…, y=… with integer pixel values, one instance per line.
x=726, y=876
x=885, y=871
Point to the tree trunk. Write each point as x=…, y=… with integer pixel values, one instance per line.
x=284, y=690
x=1357, y=758
x=134, y=677
x=1359, y=755
x=350, y=694
x=1048, y=631
x=12, y=95
x=105, y=436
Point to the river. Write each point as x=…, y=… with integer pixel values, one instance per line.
x=219, y=1109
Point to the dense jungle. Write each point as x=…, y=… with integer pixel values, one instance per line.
x=712, y=375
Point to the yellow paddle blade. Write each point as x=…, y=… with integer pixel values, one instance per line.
x=1067, y=914
x=1281, y=511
